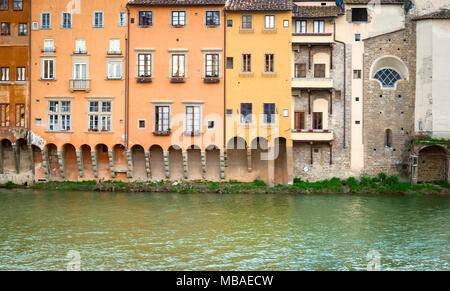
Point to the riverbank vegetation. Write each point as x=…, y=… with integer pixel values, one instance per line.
x=382, y=184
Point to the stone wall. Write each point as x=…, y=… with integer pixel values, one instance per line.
x=389, y=108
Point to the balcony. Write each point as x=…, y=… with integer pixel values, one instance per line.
x=312, y=83
x=80, y=85
x=312, y=38
x=312, y=135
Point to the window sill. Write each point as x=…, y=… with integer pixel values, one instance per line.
x=145, y=26
x=212, y=26
x=58, y=131
x=246, y=125
x=178, y=26
x=100, y=132
x=269, y=74
x=6, y=83
x=192, y=133
x=144, y=79
x=114, y=79
x=246, y=30
x=111, y=53
x=211, y=80
x=162, y=133
x=246, y=75
x=269, y=30
x=47, y=80
x=177, y=80
x=312, y=34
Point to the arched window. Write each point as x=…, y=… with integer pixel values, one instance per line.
x=388, y=138
x=388, y=77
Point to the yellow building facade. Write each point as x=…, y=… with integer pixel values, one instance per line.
x=258, y=90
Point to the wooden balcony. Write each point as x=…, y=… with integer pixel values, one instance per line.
x=80, y=85
x=312, y=135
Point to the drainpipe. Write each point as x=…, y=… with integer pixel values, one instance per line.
x=29, y=74
x=127, y=79
x=345, y=82
x=224, y=79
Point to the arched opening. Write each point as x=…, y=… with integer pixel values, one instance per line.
x=103, y=170
x=212, y=163
x=433, y=164
x=53, y=163
x=176, y=163
x=39, y=173
x=139, y=170
x=320, y=114
x=120, y=161
x=388, y=138
x=388, y=70
x=88, y=170
x=157, y=163
x=387, y=77
x=24, y=156
x=260, y=158
x=281, y=174
x=9, y=165
x=194, y=163
x=71, y=164
x=237, y=159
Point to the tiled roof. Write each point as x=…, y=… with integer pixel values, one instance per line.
x=176, y=2
x=316, y=11
x=259, y=5
x=367, y=1
x=441, y=14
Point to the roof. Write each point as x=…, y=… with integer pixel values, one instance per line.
x=367, y=1
x=441, y=14
x=316, y=11
x=175, y=2
x=259, y=5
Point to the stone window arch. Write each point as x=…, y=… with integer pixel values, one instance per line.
x=388, y=71
x=387, y=77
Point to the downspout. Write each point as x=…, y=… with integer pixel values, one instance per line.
x=29, y=74
x=345, y=83
x=224, y=79
x=127, y=79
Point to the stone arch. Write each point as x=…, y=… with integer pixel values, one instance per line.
x=54, y=168
x=320, y=105
x=39, y=173
x=157, y=163
x=24, y=155
x=86, y=155
x=176, y=168
x=9, y=165
x=70, y=163
x=281, y=171
x=260, y=158
x=433, y=164
x=103, y=169
x=194, y=155
x=237, y=159
x=212, y=163
x=389, y=65
x=120, y=161
x=138, y=158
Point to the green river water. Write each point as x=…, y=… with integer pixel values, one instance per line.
x=127, y=231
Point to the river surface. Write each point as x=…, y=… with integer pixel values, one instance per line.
x=126, y=231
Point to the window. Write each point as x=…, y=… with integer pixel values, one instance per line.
x=5, y=74
x=48, y=69
x=388, y=77
x=66, y=20
x=230, y=23
x=21, y=74
x=269, y=21
x=141, y=124
x=80, y=46
x=300, y=26
x=359, y=14
x=212, y=66
x=269, y=63
x=230, y=61
x=356, y=74
x=122, y=19
x=6, y=28
x=59, y=116
x=115, y=69
x=45, y=21
x=4, y=115
x=212, y=18
x=357, y=37
x=317, y=120
x=145, y=18
x=162, y=117
x=145, y=65
x=269, y=113
x=300, y=70
x=49, y=46
x=20, y=115
x=178, y=66
x=193, y=117
x=4, y=4
x=319, y=70
x=246, y=112
x=114, y=47
x=18, y=5
x=100, y=116
x=388, y=138
x=98, y=19
x=299, y=120
x=319, y=26
x=23, y=29
x=285, y=23
x=246, y=22
x=80, y=71
x=178, y=18
x=246, y=63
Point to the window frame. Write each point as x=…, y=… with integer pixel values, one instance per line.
x=140, y=24
x=271, y=19
x=215, y=65
x=100, y=114
x=320, y=71
x=77, y=50
x=197, y=124
x=302, y=22
x=23, y=29
x=300, y=68
x=320, y=27
x=148, y=64
x=317, y=119
x=219, y=12
x=299, y=120
x=114, y=46
x=5, y=74
x=5, y=111
x=63, y=24
x=114, y=61
x=98, y=25
x=156, y=119
x=4, y=6
x=125, y=23
x=21, y=72
x=245, y=22
x=269, y=119
x=49, y=25
x=7, y=26
x=246, y=118
x=178, y=55
x=246, y=66
x=269, y=64
x=19, y=115
x=15, y=7
x=43, y=67
x=60, y=116
x=172, y=18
